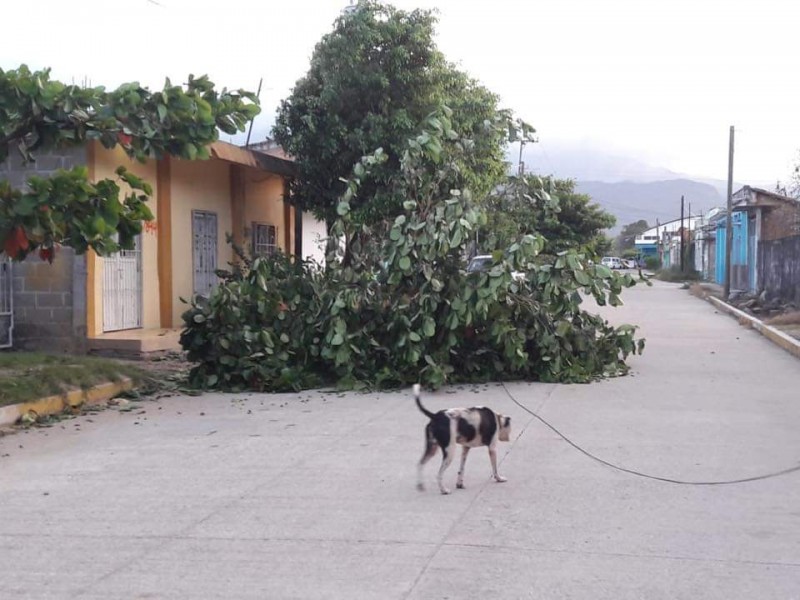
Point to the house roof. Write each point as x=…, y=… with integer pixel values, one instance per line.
x=270, y=147
x=750, y=196
x=250, y=158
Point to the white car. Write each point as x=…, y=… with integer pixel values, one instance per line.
x=483, y=262
x=612, y=262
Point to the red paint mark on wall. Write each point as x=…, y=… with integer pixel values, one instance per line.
x=151, y=226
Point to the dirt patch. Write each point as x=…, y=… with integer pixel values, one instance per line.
x=791, y=318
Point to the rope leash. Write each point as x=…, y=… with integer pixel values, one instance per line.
x=638, y=473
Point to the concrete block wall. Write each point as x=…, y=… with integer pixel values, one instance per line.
x=45, y=165
x=781, y=222
x=49, y=299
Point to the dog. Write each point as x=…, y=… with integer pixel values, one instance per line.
x=470, y=427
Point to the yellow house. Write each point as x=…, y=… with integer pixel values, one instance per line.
x=133, y=299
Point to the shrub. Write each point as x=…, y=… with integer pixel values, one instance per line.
x=652, y=263
x=278, y=325
x=675, y=274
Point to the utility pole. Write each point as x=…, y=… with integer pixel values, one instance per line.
x=521, y=164
x=683, y=233
x=729, y=220
x=658, y=242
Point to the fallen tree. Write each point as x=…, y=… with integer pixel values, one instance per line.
x=402, y=308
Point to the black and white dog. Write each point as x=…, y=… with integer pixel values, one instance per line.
x=470, y=427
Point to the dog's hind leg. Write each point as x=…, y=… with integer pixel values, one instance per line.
x=447, y=458
x=430, y=450
x=460, y=480
x=493, y=458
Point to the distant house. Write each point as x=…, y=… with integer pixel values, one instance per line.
x=131, y=301
x=662, y=240
x=311, y=233
x=765, y=253
x=705, y=241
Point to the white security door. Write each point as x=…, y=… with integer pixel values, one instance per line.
x=204, y=251
x=122, y=289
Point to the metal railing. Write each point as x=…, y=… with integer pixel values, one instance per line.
x=6, y=303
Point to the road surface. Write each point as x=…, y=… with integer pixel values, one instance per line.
x=313, y=495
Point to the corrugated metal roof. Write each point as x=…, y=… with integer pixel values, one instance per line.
x=249, y=158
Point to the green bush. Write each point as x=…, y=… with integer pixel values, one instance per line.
x=652, y=263
x=278, y=325
x=675, y=274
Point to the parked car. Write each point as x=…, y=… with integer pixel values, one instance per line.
x=630, y=263
x=484, y=262
x=612, y=262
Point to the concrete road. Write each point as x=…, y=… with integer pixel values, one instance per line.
x=313, y=496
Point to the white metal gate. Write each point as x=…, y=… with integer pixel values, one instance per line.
x=6, y=303
x=204, y=251
x=122, y=289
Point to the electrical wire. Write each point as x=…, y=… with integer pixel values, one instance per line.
x=645, y=475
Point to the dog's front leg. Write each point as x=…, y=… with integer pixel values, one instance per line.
x=460, y=480
x=447, y=458
x=493, y=458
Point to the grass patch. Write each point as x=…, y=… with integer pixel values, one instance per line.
x=26, y=376
x=676, y=275
x=790, y=318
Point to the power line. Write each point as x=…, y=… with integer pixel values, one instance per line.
x=645, y=475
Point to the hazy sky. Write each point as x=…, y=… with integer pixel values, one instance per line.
x=658, y=80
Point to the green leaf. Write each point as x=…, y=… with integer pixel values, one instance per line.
x=582, y=278
x=429, y=327
x=404, y=263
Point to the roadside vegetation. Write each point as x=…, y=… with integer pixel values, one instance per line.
x=674, y=274
x=402, y=155
x=27, y=376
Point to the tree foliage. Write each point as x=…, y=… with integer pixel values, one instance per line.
x=371, y=81
x=409, y=312
x=548, y=207
x=627, y=237
x=38, y=114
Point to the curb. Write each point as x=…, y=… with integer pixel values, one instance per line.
x=788, y=343
x=52, y=405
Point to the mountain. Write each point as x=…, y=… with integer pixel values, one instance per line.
x=585, y=163
x=627, y=187
x=630, y=201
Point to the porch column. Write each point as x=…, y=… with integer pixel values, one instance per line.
x=91, y=257
x=164, y=237
x=238, y=199
x=288, y=223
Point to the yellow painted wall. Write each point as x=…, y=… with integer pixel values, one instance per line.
x=105, y=165
x=264, y=203
x=199, y=185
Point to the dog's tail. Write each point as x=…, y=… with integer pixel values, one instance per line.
x=424, y=410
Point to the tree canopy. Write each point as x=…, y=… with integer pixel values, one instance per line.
x=627, y=237
x=546, y=206
x=371, y=82
x=274, y=324
x=38, y=114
